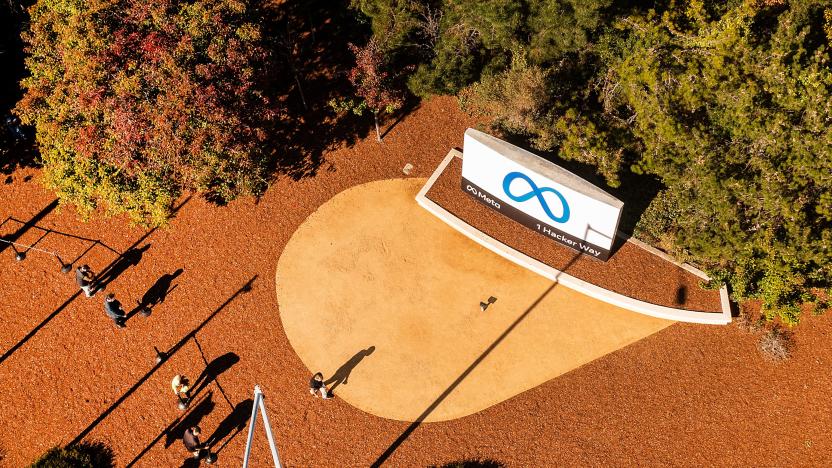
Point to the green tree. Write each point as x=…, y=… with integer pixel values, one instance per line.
x=453, y=43
x=394, y=22
x=517, y=101
x=541, y=105
x=732, y=110
x=135, y=102
x=558, y=27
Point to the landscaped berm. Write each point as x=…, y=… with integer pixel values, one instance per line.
x=387, y=301
x=686, y=395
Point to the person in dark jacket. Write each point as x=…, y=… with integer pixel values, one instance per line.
x=316, y=385
x=191, y=442
x=113, y=309
x=84, y=277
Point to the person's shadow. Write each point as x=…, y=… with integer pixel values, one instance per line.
x=156, y=294
x=212, y=370
x=190, y=463
x=193, y=418
x=342, y=375
x=130, y=258
x=235, y=422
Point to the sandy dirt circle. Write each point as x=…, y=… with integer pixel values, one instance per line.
x=384, y=300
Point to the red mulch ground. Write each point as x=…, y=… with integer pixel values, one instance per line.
x=631, y=270
x=688, y=395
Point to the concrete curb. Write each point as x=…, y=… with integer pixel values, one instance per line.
x=610, y=297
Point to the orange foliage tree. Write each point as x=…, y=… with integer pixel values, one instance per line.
x=136, y=101
x=372, y=82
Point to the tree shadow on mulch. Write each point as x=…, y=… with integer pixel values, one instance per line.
x=80, y=455
x=17, y=146
x=309, y=44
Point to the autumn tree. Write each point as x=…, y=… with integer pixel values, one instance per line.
x=135, y=102
x=373, y=84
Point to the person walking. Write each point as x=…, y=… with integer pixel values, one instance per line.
x=181, y=388
x=84, y=277
x=191, y=442
x=113, y=309
x=316, y=385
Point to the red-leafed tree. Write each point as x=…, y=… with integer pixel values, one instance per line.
x=135, y=102
x=373, y=83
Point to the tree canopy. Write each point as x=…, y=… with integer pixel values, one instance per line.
x=733, y=111
x=729, y=104
x=135, y=102
x=453, y=42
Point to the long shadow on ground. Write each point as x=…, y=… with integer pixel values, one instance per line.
x=66, y=303
x=342, y=375
x=421, y=418
x=156, y=294
x=309, y=45
x=176, y=347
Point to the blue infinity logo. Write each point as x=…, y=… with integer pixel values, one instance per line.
x=536, y=192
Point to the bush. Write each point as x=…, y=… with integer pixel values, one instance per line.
x=776, y=344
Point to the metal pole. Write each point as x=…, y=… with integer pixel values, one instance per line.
x=65, y=267
x=28, y=247
x=269, y=431
x=257, y=396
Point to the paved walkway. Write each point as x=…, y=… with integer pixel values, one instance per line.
x=377, y=292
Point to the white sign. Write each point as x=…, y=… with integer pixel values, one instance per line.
x=540, y=195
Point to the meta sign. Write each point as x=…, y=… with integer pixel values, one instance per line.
x=539, y=195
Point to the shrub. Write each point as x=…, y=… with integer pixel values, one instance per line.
x=373, y=84
x=776, y=344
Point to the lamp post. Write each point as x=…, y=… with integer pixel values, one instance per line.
x=20, y=255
